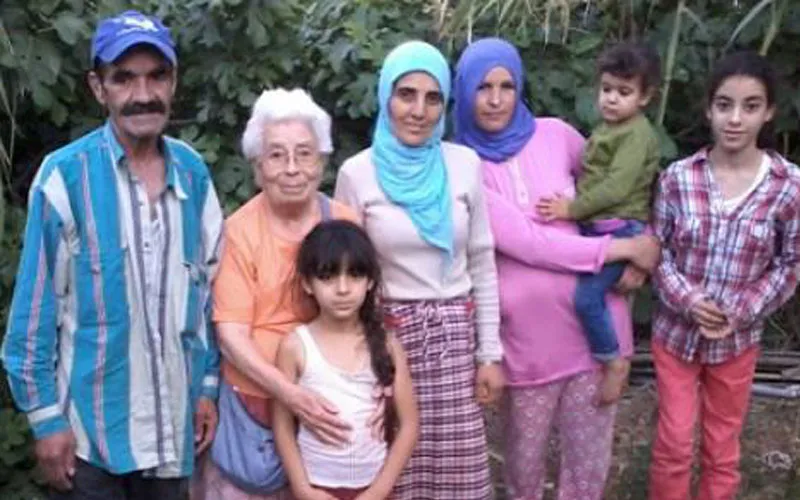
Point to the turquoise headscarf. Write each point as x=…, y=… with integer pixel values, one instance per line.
x=415, y=178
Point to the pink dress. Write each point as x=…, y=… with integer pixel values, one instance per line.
x=537, y=262
x=549, y=368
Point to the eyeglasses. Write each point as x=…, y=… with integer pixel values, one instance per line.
x=303, y=158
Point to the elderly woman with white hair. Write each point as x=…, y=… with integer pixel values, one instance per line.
x=288, y=141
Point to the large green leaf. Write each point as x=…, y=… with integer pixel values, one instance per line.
x=257, y=32
x=748, y=20
x=70, y=28
x=42, y=96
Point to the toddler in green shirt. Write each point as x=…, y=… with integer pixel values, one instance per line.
x=614, y=192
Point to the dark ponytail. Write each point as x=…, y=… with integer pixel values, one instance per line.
x=338, y=246
x=382, y=362
x=754, y=65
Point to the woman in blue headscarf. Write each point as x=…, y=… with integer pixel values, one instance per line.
x=421, y=202
x=552, y=378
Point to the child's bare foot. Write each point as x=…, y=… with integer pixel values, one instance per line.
x=615, y=376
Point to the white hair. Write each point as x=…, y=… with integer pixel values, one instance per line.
x=281, y=105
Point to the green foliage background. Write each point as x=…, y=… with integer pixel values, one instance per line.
x=230, y=50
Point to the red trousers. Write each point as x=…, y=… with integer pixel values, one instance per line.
x=719, y=395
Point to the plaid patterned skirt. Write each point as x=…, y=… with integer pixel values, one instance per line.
x=450, y=460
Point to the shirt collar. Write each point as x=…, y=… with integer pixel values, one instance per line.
x=778, y=168
x=173, y=180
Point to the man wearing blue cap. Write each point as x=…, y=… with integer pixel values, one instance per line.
x=109, y=349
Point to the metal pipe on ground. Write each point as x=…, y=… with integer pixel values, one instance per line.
x=763, y=387
x=773, y=391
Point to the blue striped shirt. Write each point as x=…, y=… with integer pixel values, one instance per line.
x=87, y=346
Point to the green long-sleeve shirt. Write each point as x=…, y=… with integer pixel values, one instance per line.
x=620, y=165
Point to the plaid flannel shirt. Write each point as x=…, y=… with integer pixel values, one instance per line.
x=746, y=261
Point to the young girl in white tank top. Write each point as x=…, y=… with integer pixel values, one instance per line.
x=344, y=354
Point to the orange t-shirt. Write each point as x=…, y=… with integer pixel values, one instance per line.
x=255, y=284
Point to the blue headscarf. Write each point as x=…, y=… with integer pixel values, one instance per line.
x=415, y=178
x=478, y=59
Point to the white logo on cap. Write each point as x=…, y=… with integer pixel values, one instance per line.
x=143, y=24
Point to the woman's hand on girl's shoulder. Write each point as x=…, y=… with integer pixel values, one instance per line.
x=319, y=415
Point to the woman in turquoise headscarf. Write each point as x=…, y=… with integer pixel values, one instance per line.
x=421, y=202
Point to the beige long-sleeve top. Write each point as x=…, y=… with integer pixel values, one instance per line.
x=415, y=270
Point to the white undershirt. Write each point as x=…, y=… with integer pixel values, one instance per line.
x=731, y=204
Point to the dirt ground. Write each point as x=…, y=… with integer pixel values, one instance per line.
x=770, y=449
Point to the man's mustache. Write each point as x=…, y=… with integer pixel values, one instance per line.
x=140, y=108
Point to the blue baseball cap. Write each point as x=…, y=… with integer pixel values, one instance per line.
x=117, y=34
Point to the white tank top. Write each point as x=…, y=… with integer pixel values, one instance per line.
x=355, y=464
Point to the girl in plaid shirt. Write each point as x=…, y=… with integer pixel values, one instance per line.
x=728, y=219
